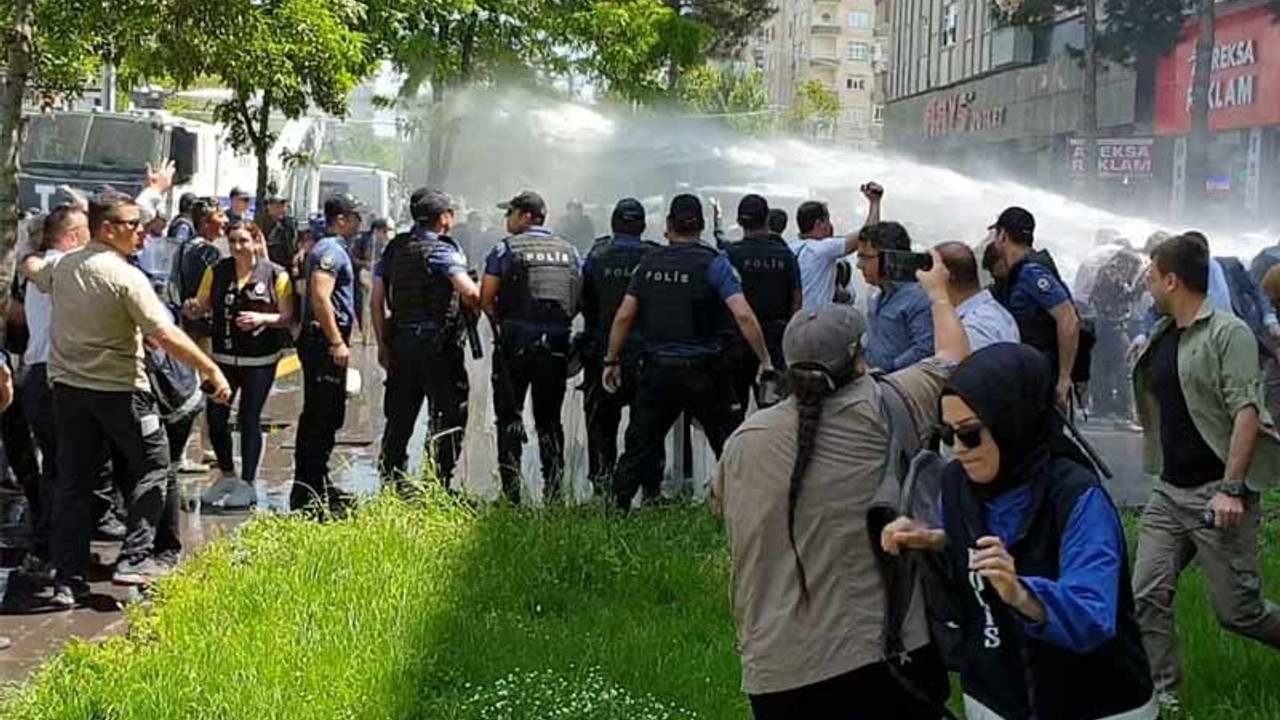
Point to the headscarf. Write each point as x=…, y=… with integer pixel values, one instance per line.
x=1010, y=389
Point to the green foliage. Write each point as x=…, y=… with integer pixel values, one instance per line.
x=731, y=22
x=633, y=48
x=1128, y=29
x=737, y=96
x=432, y=610
x=814, y=105
x=284, y=56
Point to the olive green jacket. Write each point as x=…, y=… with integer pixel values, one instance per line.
x=1220, y=376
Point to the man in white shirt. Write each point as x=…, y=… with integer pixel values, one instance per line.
x=985, y=320
x=818, y=251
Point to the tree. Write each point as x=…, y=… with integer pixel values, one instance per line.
x=731, y=22
x=628, y=47
x=737, y=99
x=814, y=108
x=280, y=57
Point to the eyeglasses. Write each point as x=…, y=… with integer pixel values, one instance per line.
x=867, y=257
x=133, y=224
x=970, y=434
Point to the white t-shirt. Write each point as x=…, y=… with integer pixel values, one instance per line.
x=39, y=308
x=817, y=259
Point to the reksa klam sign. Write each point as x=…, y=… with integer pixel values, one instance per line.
x=1117, y=157
x=1244, y=86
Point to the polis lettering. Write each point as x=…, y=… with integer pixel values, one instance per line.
x=558, y=258
x=763, y=264
x=667, y=276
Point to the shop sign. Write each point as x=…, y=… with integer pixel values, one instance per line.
x=959, y=113
x=1244, y=82
x=1117, y=157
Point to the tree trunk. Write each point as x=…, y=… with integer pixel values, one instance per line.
x=1089, y=119
x=1198, y=143
x=261, y=149
x=12, y=90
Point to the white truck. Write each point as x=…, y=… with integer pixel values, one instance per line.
x=88, y=150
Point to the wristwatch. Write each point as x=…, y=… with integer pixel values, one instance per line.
x=1233, y=488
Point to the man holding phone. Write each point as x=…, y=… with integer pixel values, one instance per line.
x=901, y=326
x=818, y=252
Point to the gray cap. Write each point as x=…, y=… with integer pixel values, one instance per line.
x=824, y=336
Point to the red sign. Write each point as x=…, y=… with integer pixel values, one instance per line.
x=959, y=114
x=1117, y=158
x=1244, y=82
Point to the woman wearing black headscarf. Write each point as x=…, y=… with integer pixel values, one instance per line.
x=1034, y=552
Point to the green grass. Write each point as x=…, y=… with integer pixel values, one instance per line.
x=434, y=611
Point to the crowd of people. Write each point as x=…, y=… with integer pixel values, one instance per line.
x=865, y=563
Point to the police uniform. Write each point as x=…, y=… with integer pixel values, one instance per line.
x=538, y=297
x=1031, y=291
x=681, y=290
x=324, y=403
x=771, y=283
x=606, y=276
x=426, y=331
x=247, y=358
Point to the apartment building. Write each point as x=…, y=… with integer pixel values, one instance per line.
x=837, y=42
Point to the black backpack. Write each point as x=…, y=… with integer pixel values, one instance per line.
x=175, y=386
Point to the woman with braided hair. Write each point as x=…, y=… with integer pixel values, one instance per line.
x=794, y=486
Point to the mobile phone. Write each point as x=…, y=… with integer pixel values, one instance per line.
x=901, y=265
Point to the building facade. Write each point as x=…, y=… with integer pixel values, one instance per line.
x=1244, y=112
x=836, y=42
x=964, y=92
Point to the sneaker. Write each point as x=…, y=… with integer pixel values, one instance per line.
x=241, y=497
x=188, y=467
x=67, y=594
x=1169, y=704
x=219, y=490
x=142, y=570
x=110, y=529
x=209, y=457
x=169, y=558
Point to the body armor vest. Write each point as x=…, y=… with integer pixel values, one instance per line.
x=541, y=280
x=234, y=346
x=677, y=302
x=768, y=271
x=611, y=268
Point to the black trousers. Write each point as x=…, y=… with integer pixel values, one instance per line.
x=868, y=693
x=518, y=372
x=1110, y=386
x=37, y=396
x=253, y=385
x=743, y=367
x=424, y=366
x=669, y=387
x=324, y=410
x=603, y=412
x=169, y=529
x=128, y=424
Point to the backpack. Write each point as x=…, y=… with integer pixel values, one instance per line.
x=1088, y=336
x=911, y=486
x=175, y=386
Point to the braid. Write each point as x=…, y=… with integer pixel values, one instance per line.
x=808, y=387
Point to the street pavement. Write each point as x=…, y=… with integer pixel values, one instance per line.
x=36, y=632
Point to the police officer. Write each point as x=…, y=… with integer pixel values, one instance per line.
x=1037, y=299
x=771, y=283
x=678, y=295
x=239, y=210
x=182, y=228
x=427, y=291
x=606, y=275
x=530, y=293
x=282, y=234
x=327, y=317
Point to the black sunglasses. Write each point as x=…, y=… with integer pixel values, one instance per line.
x=134, y=224
x=970, y=434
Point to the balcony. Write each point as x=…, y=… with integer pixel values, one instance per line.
x=825, y=28
x=824, y=61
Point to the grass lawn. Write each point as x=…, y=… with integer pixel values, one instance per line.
x=435, y=611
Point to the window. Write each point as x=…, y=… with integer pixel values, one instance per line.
x=950, y=24
x=877, y=114
x=855, y=83
x=859, y=51
x=859, y=20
